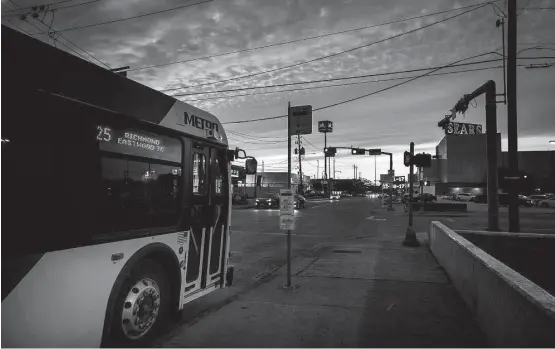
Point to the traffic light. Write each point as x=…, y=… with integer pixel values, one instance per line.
x=330, y=152
x=407, y=158
x=422, y=160
x=357, y=151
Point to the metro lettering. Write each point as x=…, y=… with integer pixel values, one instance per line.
x=198, y=122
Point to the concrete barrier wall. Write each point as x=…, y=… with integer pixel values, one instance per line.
x=512, y=311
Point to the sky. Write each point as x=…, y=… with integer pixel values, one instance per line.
x=204, y=33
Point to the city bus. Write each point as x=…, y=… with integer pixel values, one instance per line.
x=116, y=202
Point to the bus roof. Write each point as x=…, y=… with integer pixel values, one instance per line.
x=32, y=64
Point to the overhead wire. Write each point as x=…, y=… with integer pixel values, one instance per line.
x=298, y=40
x=340, y=85
x=329, y=79
x=364, y=95
x=55, y=32
x=129, y=18
x=331, y=55
x=31, y=7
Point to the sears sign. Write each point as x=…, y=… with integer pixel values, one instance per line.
x=459, y=128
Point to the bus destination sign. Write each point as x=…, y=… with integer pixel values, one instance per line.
x=138, y=143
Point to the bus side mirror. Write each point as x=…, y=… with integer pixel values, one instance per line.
x=240, y=154
x=251, y=166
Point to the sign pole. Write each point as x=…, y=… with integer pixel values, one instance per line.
x=288, y=285
x=410, y=235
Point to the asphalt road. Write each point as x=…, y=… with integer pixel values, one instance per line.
x=258, y=247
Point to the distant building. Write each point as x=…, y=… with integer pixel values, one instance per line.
x=537, y=166
x=460, y=164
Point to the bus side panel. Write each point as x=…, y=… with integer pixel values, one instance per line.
x=62, y=301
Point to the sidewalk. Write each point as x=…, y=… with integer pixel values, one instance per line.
x=369, y=292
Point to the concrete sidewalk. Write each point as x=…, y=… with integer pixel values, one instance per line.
x=368, y=292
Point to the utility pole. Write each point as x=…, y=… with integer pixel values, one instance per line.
x=333, y=168
x=514, y=219
x=317, y=168
x=410, y=234
x=288, y=285
x=262, y=167
x=300, y=165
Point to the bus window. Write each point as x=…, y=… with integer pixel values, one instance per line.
x=219, y=181
x=139, y=194
x=199, y=173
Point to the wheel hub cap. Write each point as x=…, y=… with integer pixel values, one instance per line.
x=140, y=308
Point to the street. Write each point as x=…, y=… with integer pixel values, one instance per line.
x=346, y=254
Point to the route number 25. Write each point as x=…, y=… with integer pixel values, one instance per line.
x=104, y=134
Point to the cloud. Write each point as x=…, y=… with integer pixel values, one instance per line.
x=389, y=119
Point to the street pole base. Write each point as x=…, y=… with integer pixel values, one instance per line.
x=289, y=288
x=410, y=238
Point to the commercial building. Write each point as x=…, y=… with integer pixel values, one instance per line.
x=460, y=165
x=537, y=170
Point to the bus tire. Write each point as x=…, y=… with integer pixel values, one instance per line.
x=142, y=307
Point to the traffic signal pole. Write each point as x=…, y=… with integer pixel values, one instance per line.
x=492, y=146
x=410, y=234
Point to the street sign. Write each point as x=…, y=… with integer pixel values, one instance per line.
x=300, y=121
x=385, y=178
x=374, y=152
x=391, y=173
x=325, y=126
x=286, y=210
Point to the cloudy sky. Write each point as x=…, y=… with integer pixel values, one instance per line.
x=201, y=36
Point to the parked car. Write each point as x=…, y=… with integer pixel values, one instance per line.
x=271, y=202
x=334, y=196
x=525, y=201
x=464, y=197
x=300, y=201
x=547, y=203
x=536, y=198
x=502, y=199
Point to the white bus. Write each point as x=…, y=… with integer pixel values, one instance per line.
x=116, y=202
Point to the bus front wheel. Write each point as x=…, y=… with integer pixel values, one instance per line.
x=142, y=306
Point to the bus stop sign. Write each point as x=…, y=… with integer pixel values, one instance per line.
x=286, y=209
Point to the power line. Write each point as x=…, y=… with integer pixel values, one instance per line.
x=340, y=85
x=60, y=42
x=16, y=26
x=365, y=95
x=54, y=32
x=47, y=8
x=129, y=18
x=333, y=54
x=298, y=40
x=327, y=80
x=31, y=7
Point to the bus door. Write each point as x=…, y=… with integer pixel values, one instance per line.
x=209, y=205
x=219, y=208
x=199, y=206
